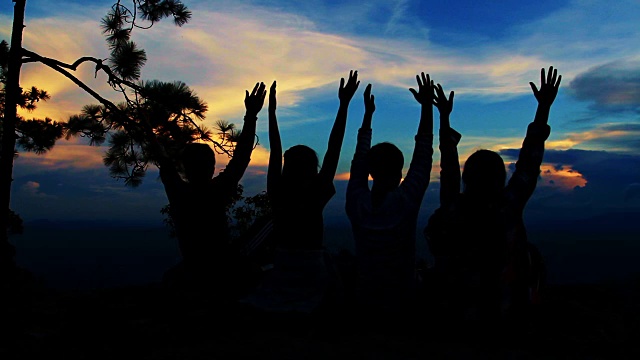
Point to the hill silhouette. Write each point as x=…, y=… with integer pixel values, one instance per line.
x=147, y=322
x=591, y=309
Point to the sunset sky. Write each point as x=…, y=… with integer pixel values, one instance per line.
x=486, y=51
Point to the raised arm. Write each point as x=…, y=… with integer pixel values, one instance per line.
x=546, y=95
x=331, y=157
x=523, y=181
x=274, y=172
x=359, y=174
x=369, y=108
x=242, y=154
x=424, y=96
x=449, y=138
x=417, y=179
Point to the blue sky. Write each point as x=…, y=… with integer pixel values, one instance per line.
x=486, y=51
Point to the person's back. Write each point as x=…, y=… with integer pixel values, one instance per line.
x=384, y=218
x=484, y=265
x=187, y=213
x=299, y=200
x=384, y=236
x=469, y=245
x=303, y=279
x=198, y=206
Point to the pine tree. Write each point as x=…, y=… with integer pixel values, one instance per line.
x=132, y=121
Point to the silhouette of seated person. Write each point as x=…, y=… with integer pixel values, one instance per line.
x=303, y=278
x=483, y=266
x=384, y=216
x=199, y=201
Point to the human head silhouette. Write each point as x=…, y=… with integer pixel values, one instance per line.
x=385, y=162
x=484, y=174
x=300, y=163
x=199, y=162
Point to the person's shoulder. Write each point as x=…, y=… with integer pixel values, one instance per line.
x=450, y=212
x=222, y=179
x=178, y=184
x=321, y=182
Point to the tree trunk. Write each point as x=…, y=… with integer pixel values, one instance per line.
x=13, y=92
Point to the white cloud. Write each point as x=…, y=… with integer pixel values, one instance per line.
x=227, y=47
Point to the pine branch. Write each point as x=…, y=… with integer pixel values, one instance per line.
x=30, y=56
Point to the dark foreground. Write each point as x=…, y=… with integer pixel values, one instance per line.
x=149, y=322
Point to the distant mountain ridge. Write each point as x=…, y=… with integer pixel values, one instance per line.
x=619, y=221
x=89, y=224
x=616, y=221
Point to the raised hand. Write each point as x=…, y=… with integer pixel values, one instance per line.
x=549, y=85
x=347, y=91
x=424, y=95
x=272, y=97
x=253, y=102
x=369, y=104
x=440, y=101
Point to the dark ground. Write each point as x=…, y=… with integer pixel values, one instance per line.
x=151, y=322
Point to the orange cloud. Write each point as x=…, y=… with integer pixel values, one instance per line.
x=564, y=178
x=31, y=186
x=434, y=175
x=66, y=155
x=259, y=159
x=343, y=176
x=33, y=189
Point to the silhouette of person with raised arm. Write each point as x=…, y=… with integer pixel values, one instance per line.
x=384, y=217
x=198, y=202
x=303, y=275
x=477, y=237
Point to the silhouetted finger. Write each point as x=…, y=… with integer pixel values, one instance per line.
x=451, y=97
x=558, y=83
x=550, y=75
x=262, y=90
x=418, y=80
x=534, y=88
x=353, y=76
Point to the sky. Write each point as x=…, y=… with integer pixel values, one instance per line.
x=485, y=51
